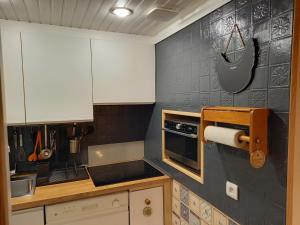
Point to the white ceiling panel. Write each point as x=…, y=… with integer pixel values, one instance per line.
x=94, y=14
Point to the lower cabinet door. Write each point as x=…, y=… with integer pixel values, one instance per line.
x=34, y=216
x=146, y=207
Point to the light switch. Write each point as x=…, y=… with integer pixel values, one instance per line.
x=232, y=190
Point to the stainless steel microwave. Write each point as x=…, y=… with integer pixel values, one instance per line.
x=181, y=143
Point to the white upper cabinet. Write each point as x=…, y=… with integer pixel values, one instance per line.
x=57, y=77
x=12, y=78
x=123, y=71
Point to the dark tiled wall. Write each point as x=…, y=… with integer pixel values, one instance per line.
x=186, y=79
x=112, y=124
x=118, y=123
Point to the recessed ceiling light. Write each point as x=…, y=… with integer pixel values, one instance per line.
x=121, y=11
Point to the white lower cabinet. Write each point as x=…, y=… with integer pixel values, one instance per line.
x=146, y=207
x=34, y=216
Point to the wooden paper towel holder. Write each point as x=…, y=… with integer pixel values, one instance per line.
x=254, y=118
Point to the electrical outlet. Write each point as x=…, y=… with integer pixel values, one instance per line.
x=232, y=190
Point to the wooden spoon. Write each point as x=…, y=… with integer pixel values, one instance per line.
x=33, y=156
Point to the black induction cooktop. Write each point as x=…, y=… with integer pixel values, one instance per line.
x=122, y=172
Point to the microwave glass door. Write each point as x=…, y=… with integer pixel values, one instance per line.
x=182, y=146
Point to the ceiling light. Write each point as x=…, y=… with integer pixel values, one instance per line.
x=121, y=11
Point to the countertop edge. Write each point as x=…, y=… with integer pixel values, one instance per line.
x=59, y=193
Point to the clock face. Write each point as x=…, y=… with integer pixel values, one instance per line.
x=206, y=212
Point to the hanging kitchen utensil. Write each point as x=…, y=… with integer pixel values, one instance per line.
x=234, y=77
x=22, y=154
x=38, y=143
x=15, y=137
x=46, y=153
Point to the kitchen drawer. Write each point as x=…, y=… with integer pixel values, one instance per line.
x=194, y=203
x=23, y=217
x=175, y=219
x=219, y=218
x=176, y=190
x=176, y=206
x=146, y=207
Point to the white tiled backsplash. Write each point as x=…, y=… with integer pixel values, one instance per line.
x=190, y=209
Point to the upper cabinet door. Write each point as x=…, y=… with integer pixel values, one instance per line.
x=123, y=72
x=12, y=79
x=57, y=78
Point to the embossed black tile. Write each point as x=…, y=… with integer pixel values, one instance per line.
x=241, y=3
x=217, y=44
x=204, y=84
x=226, y=99
x=260, y=10
x=205, y=32
x=229, y=7
x=275, y=215
x=260, y=80
x=217, y=28
x=243, y=16
x=258, y=98
x=278, y=99
x=200, y=100
x=183, y=100
x=265, y=91
x=261, y=31
x=215, y=98
x=280, y=51
x=263, y=54
x=241, y=99
x=214, y=83
x=227, y=43
x=282, y=25
x=280, y=75
x=280, y=6
x=205, y=67
x=246, y=35
x=238, y=54
x=228, y=23
x=216, y=15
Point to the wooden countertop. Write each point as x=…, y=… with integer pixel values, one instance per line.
x=58, y=193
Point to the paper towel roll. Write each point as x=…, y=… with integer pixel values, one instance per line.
x=226, y=136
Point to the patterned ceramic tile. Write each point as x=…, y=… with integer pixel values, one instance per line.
x=185, y=212
x=194, y=220
x=206, y=212
x=230, y=222
x=261, y=10
x=194, y=203
x=280, y=75
x=282, y=25
x=183, y=222
x=184, y=195
x=219, y=218
x=175, y=220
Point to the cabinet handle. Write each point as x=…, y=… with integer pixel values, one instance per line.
x=147, y=201
x=147, y=211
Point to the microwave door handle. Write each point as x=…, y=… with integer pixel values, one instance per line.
x=180, y=133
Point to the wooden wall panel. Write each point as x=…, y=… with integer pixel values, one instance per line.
x=4, y=204
x=293, y=191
